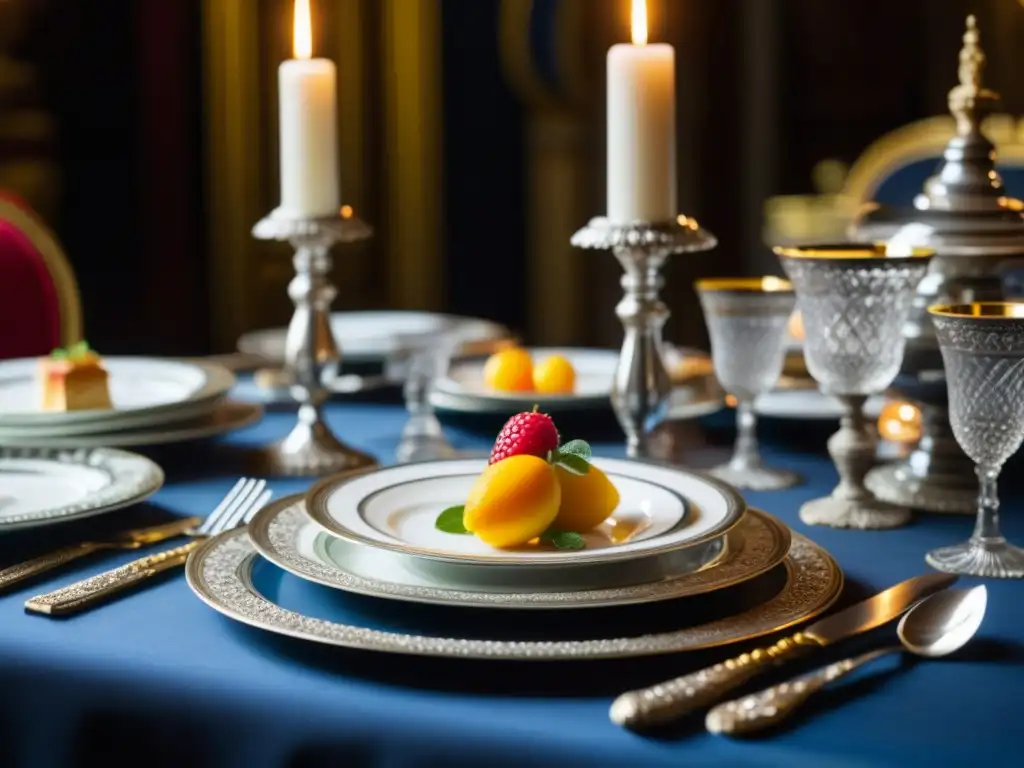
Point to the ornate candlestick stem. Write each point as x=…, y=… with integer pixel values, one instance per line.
x=312, y=356
x=641, y=388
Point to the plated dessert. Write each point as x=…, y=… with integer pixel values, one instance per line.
x=534, y=491
x=515, y=370
x=73, y=379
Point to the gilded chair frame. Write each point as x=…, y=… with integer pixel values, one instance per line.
x=64, y=281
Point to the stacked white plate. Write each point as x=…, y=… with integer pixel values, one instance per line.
x=674, y=536
x=154, y=401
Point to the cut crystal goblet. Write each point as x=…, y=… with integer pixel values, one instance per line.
x=747, y=320
x=982, y=347
x=854, y=299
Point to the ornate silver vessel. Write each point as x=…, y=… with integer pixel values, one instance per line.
x=965, y=215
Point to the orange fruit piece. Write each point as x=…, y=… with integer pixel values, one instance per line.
x=510, y=370
x=554, y=376
x=513, y=501
x=587, y=500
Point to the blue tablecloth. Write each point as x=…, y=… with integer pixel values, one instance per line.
x=157, y=678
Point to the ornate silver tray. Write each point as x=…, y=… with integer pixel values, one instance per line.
x=220, y=572
x=284, y=535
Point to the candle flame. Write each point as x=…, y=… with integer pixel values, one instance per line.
x=639, y=22
x=302, y=36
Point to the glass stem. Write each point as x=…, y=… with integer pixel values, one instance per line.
x=986, y=529
x=422, y=422
x=746, y=454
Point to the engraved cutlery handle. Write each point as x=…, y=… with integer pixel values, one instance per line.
x=771, y=706
x=88, y=592
x=667, y=701
x=20, y=572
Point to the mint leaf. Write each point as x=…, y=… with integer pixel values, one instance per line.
x=450, y=521
x=578, y=448
x=564, y=540
x=571, y=463
x=59, y=354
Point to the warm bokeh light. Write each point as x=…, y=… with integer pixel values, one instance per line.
x=302, y=35
x=639, y=22
x=731, y=401
x=900, y=422
x=796, y=326
x=346, y=211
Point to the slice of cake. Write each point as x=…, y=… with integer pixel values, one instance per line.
x=74, y=379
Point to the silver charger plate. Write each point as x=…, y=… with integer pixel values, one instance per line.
x=219, y=571
x=284, y=535
x=144, y=392
x=662, y=509
x=226, y=416
x=42, y=487
x=373, y=337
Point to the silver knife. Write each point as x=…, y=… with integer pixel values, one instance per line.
x=667, y=701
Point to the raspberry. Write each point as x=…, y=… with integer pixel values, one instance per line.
x=529, y=433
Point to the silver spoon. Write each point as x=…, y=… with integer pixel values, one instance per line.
x=937, y=626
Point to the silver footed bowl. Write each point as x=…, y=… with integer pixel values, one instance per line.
x=982, y=347
x=747, y=319
x=854, y=299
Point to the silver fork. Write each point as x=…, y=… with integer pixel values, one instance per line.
x=236, y=509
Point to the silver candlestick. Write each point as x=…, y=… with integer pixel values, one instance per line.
x=312, y=357
x=641, y=388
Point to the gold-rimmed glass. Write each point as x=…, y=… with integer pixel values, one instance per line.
x=982, y=348
x=747, y=319
x=854, y=299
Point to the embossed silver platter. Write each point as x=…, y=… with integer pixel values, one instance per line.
x=284, y=535
x=663, y=509
x=42, y=487
x=219, y=571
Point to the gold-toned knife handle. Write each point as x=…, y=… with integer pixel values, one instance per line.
x=29, y=569
x=773, y=705
x=89, y=592
x=673, y=699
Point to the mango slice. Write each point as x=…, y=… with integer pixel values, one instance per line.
x=587, y=500
x=513, y=501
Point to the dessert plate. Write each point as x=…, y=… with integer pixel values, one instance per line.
x=695, y=391
x=144, y=391
x=226, y=416
x=662, y=509
x=285, y=536
x=221, y=572
x=372, y=337
x=45, y=487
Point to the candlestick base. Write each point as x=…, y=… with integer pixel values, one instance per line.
x=641, y=387
x=312, y=356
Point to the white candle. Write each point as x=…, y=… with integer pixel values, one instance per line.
x=641, y=128
x=308, y=127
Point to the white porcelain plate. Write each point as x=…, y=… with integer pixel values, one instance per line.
x=226, y=416
x=371, y=337
x=145, y=389
x=595, y=369
x=661, y=509
x=809, y=404
x=44, y=487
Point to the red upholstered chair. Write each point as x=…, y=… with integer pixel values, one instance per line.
x=40, y=308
